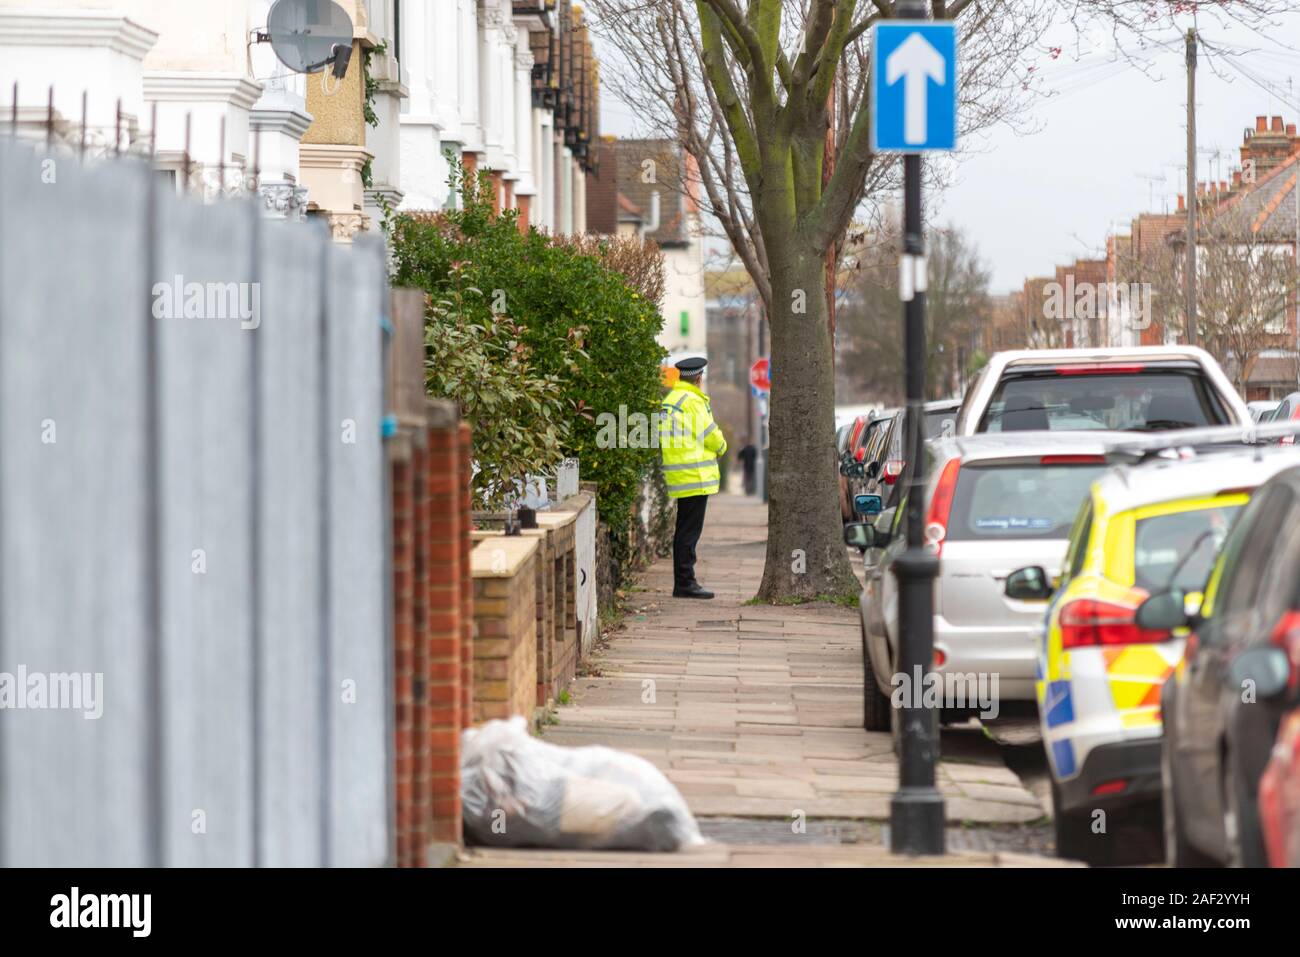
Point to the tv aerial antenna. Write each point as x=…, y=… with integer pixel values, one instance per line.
x=309, y=35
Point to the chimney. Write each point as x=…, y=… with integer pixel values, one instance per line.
x=1261, y=124
x=1223, y=186
x=1236, y=178
x=1182, y=203
x=1277, y=124
x=1290, y=129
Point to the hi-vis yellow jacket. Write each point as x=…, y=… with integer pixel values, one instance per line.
x=690, y=442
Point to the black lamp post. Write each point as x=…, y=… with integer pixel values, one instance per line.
x=916, y=810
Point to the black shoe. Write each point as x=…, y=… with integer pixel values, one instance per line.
x=693, y=590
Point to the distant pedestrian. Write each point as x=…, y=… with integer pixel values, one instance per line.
x=690, y=442
x=748, y=456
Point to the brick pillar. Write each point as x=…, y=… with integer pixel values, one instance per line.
x=525, y=204
x=470, y=161
x=445, y=625
x=404, y=645
x=466, y=579
x=496, y=191
x=420, y=657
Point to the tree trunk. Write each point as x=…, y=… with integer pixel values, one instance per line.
x=806, y=556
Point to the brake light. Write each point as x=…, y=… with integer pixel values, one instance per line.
x=1086, y=622
x=1110, y=787
x=1101, y=368
x=1072, y=460
x=1286, y=635
x=939, y=658
x=936, y=516
x=859, y=455
x=892, y=470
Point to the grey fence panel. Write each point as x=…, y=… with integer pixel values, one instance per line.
x=358, y=652
x=290, y=567
x=73, y=593
x=205, y=567
x=250, y=726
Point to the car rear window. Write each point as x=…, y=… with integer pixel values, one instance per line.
x=1018, y=501
x=1192, y=537
x=940, y=422
x=1148, y=400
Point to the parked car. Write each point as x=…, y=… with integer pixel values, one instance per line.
x=1222, y=709
x=1145, y=388
x=992, y=503
x=1287, y=410
x=882, y=454
x=862, y=468
x=853, y=432
x=842, y=436
x=941, y=418
x=1262, y=410
x=1279, y=796
x=1141, y=529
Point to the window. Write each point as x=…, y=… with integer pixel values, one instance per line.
x=1018, y=501
x=1177, y=550
x=1149, y=400
x=1245, y=555
x=940, y=422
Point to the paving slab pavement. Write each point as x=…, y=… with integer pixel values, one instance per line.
x=755, y=712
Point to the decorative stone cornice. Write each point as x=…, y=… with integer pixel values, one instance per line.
x=185, y=86
x=284, y=200
x=523, y=60
x=345, y=226
x=64, y=28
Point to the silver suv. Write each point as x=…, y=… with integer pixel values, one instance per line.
x=994, y=503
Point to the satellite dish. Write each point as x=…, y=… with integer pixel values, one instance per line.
x=309, y=35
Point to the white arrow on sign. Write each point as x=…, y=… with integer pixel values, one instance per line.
x=915, y=61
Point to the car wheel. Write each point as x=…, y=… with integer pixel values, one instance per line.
x=876, y=709
x=1178, y=850
x=1241, y=832
x=1075, y=838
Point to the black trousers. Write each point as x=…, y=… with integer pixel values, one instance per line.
x=690, y=522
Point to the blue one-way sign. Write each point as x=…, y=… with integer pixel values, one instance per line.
x=914, y=86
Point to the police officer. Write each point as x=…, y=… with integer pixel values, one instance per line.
x=690, y=442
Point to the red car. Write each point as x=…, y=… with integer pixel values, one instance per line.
x=1279, y=796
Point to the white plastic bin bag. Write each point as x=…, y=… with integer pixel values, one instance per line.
x=518, y=791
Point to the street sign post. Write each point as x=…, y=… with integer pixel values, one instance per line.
x=914, y=86
x=914, y=110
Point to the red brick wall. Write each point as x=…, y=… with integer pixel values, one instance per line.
x=444, y=631
x=419, y=829
x=432, y=636
x=466, y=582
x=404, y=651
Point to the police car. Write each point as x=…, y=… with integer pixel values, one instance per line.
x=1141, y=529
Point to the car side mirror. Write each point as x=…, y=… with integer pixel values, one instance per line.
x=860, y=535
x=867, y=504
x=1163, y=612
x=1265, y=670
x=1028, y=584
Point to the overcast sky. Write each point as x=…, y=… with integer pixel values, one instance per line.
x=1107, y=142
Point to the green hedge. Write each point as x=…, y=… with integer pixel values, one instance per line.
x=582, y=322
